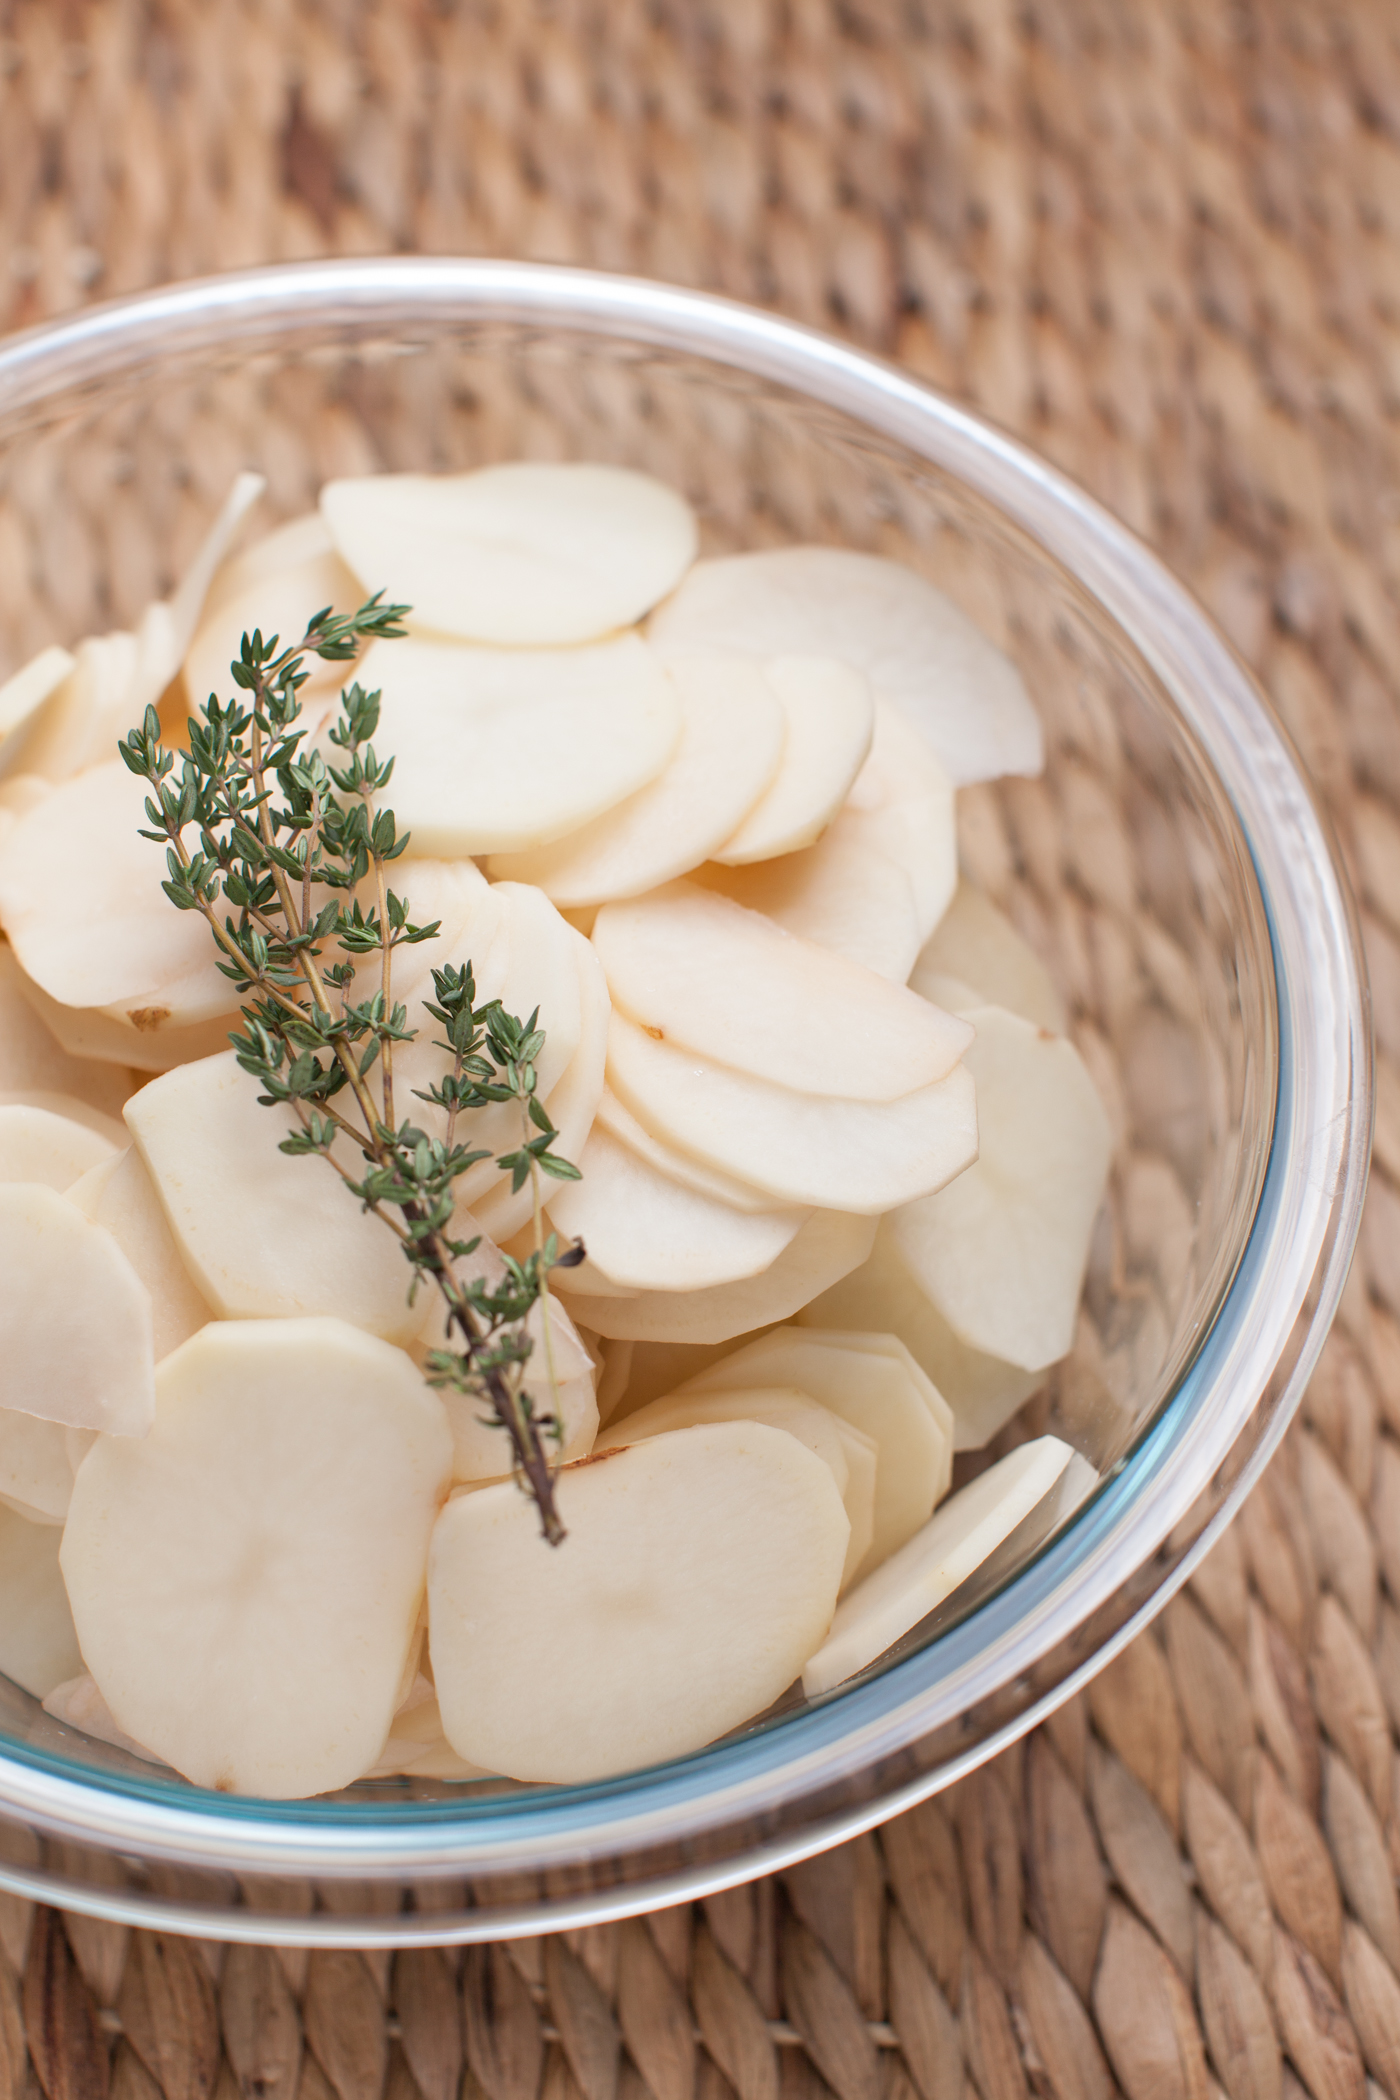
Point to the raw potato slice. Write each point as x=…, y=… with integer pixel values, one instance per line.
x=80, y=721
x=527, y=554
x=36, y=1471
x=118, y=1196
x=167, y=630
x=278, y=584
x=264, y=1234
x=916, y=647
x=32, y=1058
x=68, y=1108
x=223, y=1595
x=674, y=1164
x=700, y=1570
x=864, y=1155
x=978, y=944
x=22, y=696
x=1002, y=1252
x=416, y=1747
x=732, y=735
x=837, y=893
x=141, y=1045
x=502, y=750
x=829, y=1244
x=873, y=1391
x=983, y=1391
x=835, y=1443
x=828, y=709
x=36, y=1145
x=901, y=807
x=949, y=1548
x=649, y=1233
x=75, y=1319
x=79, y=1704
x=700, y=973
x=82, y=903
x=38, y=1646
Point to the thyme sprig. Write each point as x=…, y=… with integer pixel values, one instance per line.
x=288, y=865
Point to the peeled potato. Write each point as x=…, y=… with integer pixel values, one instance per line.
x=222, y=1589
x=837, y=893
x=278, y=585
x=531, y=553
x=916, y=647
x=672, y=1162
x=901, y=808
x=866, y=1156
x=698, y=972
x=70, y=1108
x=36, y=1470
x=264, y=1234
x=875, y=1392
x=830, y=1243
x=700, y=1570
x=77, y=1703
x=1002, y=1251
x=949, y=1548
x=416, y=1747
x=38, y=1646
x=731, y=741
x=75, y=1319
x=503, y=750
x=647, y=1232
x=118, y=1195
x=82, y=716
x=978, y=944
x=141, y=1044
x=31, y=1057
x=45, y=1145
x=828, y=710
x=21, y=697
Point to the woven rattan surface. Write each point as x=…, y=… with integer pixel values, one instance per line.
x=1162, y=241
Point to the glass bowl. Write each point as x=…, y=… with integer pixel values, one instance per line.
x=1170, y=866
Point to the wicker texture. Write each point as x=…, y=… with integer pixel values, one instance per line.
x=1162, y=241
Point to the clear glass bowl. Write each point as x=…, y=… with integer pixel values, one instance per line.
x=1170, y=866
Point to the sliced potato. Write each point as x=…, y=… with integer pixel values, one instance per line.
x=44, y=1145
x=864, y=1155
x=142, y=1043
x=503, y=750
x=647, y=1232
x=263, y=1234
x=901, y=808
x=698, y=972
x=837, y=893
x=278, y=584
x=732, y=734
x=75, y=1319
x=81, y=719
x=36, y=1470
x=33, y=1059
x=1002, y=1252
x=672, y=1162
x=916, y=647
x=118, y=1195
x=417, y=1747
x=79, y=1704
x=530, y=553
x=223, y=1595
x=38, y=1646
x=22, y=696
x=949, y=1548
x=828, y=709
x=68, y=1108
x=878, y=1394
x=978, y=944
x=983, y=1391
x=830, y=1243
x=700, y=1570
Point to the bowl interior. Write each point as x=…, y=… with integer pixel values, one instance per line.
x=1125, y=865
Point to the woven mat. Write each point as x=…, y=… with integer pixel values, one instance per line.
x=1161, y=239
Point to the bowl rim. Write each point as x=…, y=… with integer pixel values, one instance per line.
x=1283, y=1296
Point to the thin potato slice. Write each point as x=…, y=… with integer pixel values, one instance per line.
x=837, y=893
x=700, y=1570
x=828, y=711
x=417, y=1747
x=979, y=945
x=118, y=1196
x=38, y=1645
x=732, y=735
x=69, y=1108
x=75, y=1318
x=32, y=1058
x=78, y=1703
x=278, y=584
x=649, y=1233
x=901, y=807
x=36, y=1469
x=141, y=1043
x=673, y=1163
x=949, y=1548
x=699, y=972
x=22, y=696
x=531, y=553
x=44, y=1145
x=829, y=1244
x=503, y=750
x=916, y=647
x=864, y=1156
x=224, y=1596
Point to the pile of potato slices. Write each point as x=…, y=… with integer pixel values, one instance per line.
x=840, y=1160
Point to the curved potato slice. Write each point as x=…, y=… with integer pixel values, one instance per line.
x=224, y=1599
x=69, y=1108
x=901, y=807
x=75, y=1319
x=977, y=943
x=700, y=1570
x=77, y=1703
x=828, y=710
x=417, y=1747
x=39, y=1144
x=673, y=1163
x=36, y=1467
x=650, y=1233
x=830, y=1243
x=118, y=1195
x=21, y=698
x=699, y=972
x=837, y=893
x=949, y=1548
x=278, y=585
x=530, y=553
x=38, y=1644
x=32, y=1058
x=914, y=644
x=732, y=736
x=864, y=1156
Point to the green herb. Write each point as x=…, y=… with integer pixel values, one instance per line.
x=287, y=847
